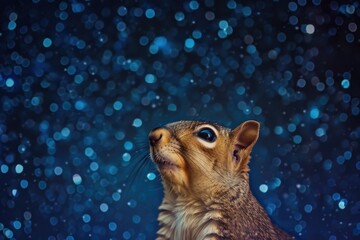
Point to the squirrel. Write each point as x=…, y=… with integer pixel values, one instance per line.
x=204, y=171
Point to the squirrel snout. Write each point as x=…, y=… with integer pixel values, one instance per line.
x=156, y=135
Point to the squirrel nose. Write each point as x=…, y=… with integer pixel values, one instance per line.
x=155, y=136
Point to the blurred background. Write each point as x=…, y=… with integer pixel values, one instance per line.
x=83, y=82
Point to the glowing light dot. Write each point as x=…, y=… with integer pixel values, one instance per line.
x=137, y=122
x=19, y=168
x=179, y=16
x=17, y=224
x=223, y=24
x=151, y=176
x=263, y=188
x=117, y=105
x=126, y=157
x=150, y=78
x=150, y=13
x=189, y=43
x=104, y=207
x=308, y=208
x=77, y=179
x=80, y=105
x=310, y=29
x=65, y=132
x=342, y=203
x=86, y=218
x=345, y=83
x=278, y=130
x=112, y=226
x=4, y=168
x=194, y=5
x=14, y=192
x=9, y=82
x=297, y=139
x=128, y=145
x=314, y=113
x=11, y=25
x=24, y=183
x=47, y=42
x=58, y=171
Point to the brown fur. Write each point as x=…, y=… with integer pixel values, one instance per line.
x=206, y=187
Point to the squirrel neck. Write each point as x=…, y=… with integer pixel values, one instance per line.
x=231, y=211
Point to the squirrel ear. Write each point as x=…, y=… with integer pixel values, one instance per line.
x=245, y=135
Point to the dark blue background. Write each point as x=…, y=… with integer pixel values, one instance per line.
x=83, y=82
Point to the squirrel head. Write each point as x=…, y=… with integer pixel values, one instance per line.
x=200, y=157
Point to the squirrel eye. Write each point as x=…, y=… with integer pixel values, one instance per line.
x=207, y=134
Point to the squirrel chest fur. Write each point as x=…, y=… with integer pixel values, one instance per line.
x=204, y=170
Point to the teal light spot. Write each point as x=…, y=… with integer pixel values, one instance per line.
x=189, y=43
x=11, y=25
x=35, y=101
x=251, y=49
x=320, y=132
x=78, y=79
x=17, y=224
x=24, y=183
x=77, y=179
x=112, y=226
x=137, y=122
x=246, y=11
x=9, y=82
x=348, y=155
x=297, y=139
x=14, y=192
x=86, y=218
x=104, y=207
x=4, y=168
x=116, y=196
x=65, y=132
x=263, y=188
x=71, y=70
x=345, y=83
x=278, y=130
x=314, y=113
x=126, y=157
x=194, y=5
x=58, y=171
x=151, y=176
x=94, y=166
x=223, y=24
x=89, y=152
x=231, y=4
x=54, y=107
x=336, y=196
x=197, y=34
x=150, y=78
x=308, y=208
x=150, y=13
x=172, y=107
x=117, y=105
x=8, y=233
x=80, y=105
x=291, y=127
x=179, y=16
x=47, y=42
x=342, y=204
x=19, y=168
x=128, y=145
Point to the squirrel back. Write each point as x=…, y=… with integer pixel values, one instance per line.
x=204, y=170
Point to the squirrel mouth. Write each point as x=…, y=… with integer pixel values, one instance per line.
x=164, y=163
